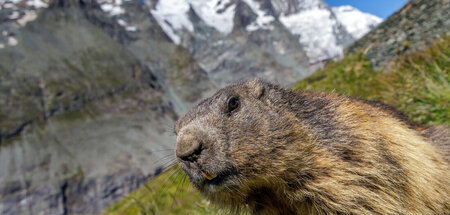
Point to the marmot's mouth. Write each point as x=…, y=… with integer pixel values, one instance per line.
x=209, y=176
x=216, y=179
x=209, y=181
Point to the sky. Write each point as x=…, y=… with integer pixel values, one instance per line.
x=380, y=8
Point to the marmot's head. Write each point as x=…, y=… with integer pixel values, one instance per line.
x=239, y=138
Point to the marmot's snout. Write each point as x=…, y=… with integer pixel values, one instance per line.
x=197, y=156
x=189, y=146
x=191, y=152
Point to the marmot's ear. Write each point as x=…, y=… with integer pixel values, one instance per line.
x=256, y=87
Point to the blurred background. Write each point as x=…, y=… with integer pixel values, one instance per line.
x=90, y=89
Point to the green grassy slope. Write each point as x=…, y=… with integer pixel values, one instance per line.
x=169, y=193
x=418, y=84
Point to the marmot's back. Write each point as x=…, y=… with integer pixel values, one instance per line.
x=439, y=135
x=257, y=147
x=440, y=138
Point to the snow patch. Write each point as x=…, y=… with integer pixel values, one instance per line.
x=315, y=27
x=131, y=28
x=37, y=4
x=126, y=25
x=122, y=22
x=14, y=15
x=115, y=8
x=262, y=21
x=356, y=22
x=111, y=7
x=24, y=13
x=174, y=13
x=29, y=16
x=12, y=41
x=2, y=46
x=8, y=5
x=288, y=7
x=310, y=4
x=171, y=16
x=218, y=14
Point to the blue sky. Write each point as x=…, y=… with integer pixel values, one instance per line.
x=381, y=8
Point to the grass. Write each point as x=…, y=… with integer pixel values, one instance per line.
x=169, y=193
x=418, y=84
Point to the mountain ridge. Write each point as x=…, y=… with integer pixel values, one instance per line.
x=288, y=14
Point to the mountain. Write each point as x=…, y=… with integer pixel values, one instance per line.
x=89, y=89
x=87, y=106
x=244, y=38
x=219, y=33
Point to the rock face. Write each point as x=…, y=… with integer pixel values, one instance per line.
x=411, y=28
x=89, y=89
x=87, y=106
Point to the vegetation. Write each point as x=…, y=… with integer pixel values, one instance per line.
x=169, y=193
x=418, y=84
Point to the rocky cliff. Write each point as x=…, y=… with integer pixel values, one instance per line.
x=89, y=89
x=87, y=106
x=413, y=27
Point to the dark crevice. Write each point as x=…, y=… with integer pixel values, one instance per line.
x=14, y=133
x=64, y=198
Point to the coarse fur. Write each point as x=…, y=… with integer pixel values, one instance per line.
x=291, y=152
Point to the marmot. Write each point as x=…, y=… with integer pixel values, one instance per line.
x=255, y=146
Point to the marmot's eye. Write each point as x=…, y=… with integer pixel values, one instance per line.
x=233, y=103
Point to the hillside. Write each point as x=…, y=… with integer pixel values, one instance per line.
x=85, y=105
x=418, y=83
x=415, y=26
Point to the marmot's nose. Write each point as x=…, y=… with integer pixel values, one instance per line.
x=189, y=146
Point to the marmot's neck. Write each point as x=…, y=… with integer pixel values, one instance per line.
x=265, y=201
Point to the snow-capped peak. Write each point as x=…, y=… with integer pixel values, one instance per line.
x=218, y=14
x=172, y=15
x=262, y=19
x=357, y=23
x=316, y=29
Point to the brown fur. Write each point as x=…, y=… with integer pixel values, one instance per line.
x=292, y=152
